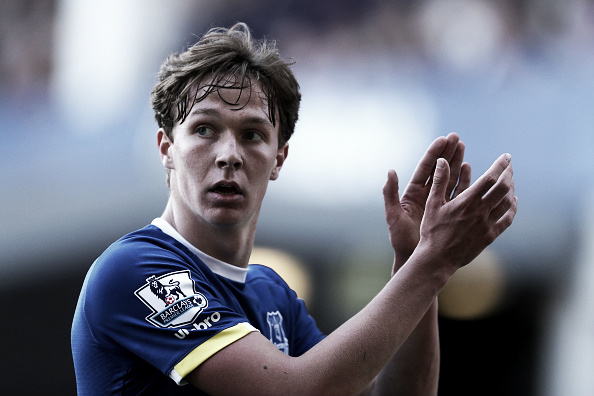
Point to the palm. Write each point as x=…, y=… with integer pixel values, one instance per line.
x=404, y=217
x=404, y=214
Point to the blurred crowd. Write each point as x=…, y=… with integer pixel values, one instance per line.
x=458, y=34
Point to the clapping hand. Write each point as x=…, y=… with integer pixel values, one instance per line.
x=404, y=214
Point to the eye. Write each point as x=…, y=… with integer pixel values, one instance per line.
x=205, y=131
x=253, y=136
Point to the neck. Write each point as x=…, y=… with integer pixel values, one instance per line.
x=229, y=243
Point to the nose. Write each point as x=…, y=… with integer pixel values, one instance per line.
x=228, y=154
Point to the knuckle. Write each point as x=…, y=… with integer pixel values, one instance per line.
x=507, y=221
x=489, y=179
x=506, y=205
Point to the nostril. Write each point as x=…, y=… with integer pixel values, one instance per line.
x=226, y=164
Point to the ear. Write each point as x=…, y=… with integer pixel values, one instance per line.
x=165, y=146
x=281, y=156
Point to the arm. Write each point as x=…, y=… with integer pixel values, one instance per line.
x=452, y=234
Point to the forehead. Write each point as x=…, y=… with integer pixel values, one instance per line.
x=231, y=95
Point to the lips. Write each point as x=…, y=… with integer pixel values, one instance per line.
x=226, y=188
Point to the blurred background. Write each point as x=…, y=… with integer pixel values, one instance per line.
x=380, y=80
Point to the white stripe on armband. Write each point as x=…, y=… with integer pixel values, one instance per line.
x=205, y=350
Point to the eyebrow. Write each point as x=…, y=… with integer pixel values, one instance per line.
x=203, y=111
x=252, y=119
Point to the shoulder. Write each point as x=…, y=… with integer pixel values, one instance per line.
x=267, y=283
x=129, y=262
x=147, y=246
x=149, y=238
x=262, y=273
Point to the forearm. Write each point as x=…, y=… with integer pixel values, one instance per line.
x=414, y=369
x=395, y=334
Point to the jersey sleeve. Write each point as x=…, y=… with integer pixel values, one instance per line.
x=303, y=332
x=154, y=303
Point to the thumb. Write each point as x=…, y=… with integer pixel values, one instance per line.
x=390, y=191
x=441, y=177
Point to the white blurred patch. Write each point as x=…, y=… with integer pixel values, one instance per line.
x=105, y=52
x=347, y=139
x=462, y=34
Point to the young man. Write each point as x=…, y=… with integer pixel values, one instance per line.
x=176, y=303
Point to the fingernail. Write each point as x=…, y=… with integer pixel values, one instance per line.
x=441, y=163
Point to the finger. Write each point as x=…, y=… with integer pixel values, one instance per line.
x=502, y=207
x=390, y=191
x=451, y=147
x=504, y=186
x=464, y=179
x=490, y=177
x=455, y=167
x=426, y=165
x=448, y=153
x=441, y=177
x=506, y=219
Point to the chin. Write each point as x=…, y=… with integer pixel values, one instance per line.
x=229, y=218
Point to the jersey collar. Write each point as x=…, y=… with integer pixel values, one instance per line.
x=217, y=266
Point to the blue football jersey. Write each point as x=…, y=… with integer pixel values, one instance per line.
x=153, y=308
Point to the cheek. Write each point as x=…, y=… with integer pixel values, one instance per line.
x=193, y=157
x=266, y=165
x=190, y=166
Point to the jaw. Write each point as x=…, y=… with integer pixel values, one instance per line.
x=230, y=210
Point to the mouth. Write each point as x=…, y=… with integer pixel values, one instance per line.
x=226, y=188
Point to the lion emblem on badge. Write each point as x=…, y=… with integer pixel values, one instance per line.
x=169, y=293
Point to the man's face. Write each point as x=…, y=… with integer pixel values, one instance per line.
x=222, y=157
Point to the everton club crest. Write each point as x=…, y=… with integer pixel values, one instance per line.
x=277, y=331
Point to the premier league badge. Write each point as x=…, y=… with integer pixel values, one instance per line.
x=172, y=299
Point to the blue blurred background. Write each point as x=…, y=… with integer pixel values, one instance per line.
x=380, y=80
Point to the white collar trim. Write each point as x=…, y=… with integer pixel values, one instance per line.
x=217, y=266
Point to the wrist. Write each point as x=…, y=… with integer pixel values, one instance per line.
x=399, y=260
x=431, y=262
